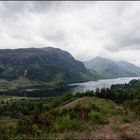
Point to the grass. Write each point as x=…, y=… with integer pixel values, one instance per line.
x=129, y=131
x=105, y=120
x=7, y=121
x=106, y=106
x=12, y=99
x=84, y=101
x=22, y=85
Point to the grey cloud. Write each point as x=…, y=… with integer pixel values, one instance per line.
x=85, y=29
x=126, y=40
x=12, y=8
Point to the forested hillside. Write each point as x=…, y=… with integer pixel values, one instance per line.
x=44, y=64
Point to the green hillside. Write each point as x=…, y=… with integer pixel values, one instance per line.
x=107, y=68
x=87, y=102
x=81, y=118
x=42, y=64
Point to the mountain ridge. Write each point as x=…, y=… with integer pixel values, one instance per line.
x=42, y=64
x=112, y=69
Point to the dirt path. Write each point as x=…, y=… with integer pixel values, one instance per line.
x=127, y=131
x=130, y=130
x=106, y=133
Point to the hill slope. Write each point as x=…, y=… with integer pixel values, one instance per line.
x=112, y=69
x=44, y=64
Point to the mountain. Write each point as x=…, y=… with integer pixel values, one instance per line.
x=108, y=68
x=41, y=64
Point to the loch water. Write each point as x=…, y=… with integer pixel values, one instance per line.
x=77, y=87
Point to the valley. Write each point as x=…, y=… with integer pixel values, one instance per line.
x=46, y=94
x=40, y=72
x=69, y=70
x=106, y=114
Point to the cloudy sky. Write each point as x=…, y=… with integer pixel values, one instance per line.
x=85, y=29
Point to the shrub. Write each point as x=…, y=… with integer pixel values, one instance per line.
x=95, y=107
x=35, y=124
x=126, y=119
x=97, y=117
x=119, y=110
x=65, y=123
x=7, y=133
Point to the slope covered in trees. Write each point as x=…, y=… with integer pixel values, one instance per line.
x=42, y=64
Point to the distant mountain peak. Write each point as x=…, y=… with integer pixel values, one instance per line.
x=112, y=69
x=101, y=58
x=98, y=58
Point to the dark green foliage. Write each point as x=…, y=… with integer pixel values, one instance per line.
x=135, y=105
x=41, y=118
x=8, y=133
x=67, y=96
x=65, y=123
x=34, y=124
x=44, y=64
x=25, y=106
x=97, y=117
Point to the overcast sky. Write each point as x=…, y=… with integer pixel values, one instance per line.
x=85, y=29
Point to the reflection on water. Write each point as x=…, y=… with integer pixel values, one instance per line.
x=76, y=87
x=92, y=85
